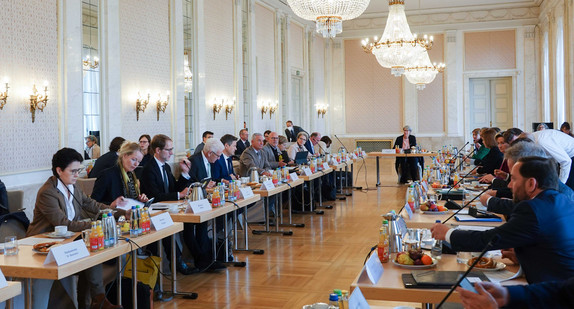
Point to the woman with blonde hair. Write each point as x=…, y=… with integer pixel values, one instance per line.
x=120, y=179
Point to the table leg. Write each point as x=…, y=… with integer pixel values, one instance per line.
x=290, y=216
x=28, y=293
x=134, y=280
x=267, y=229
x=378, y=176
x=173, y=266
x=119, y=280
x=246, y=237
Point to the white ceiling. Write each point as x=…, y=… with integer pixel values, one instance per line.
x=380, y=7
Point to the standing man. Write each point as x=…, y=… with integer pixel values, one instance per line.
x=292, y=131
x=92, y=149
x=540, y=228
x=243, y=142
x=560, y=147
x=157, y=181
x=223, y=167
x=205, y=136
x=271, y=151
x=253, y=157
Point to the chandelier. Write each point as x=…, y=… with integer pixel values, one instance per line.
x=398, y=47
x=422, y=71
x=328, y=14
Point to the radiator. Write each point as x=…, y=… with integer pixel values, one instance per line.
x=374, y=145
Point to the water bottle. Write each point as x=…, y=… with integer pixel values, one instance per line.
x=105, y=224
x=333, y=301
x=134, y=223
x=113, y=230
x=436, y=251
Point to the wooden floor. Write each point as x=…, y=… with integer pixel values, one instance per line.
x=304, y=268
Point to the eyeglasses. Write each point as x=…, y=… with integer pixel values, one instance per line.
x=168, y=149
x=77, y=171
x=143, y=142
x=213, y=153
x=275, y=138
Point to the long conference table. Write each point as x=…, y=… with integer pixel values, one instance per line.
x=378, y=155
x=30, y=265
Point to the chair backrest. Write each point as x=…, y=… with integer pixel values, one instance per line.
x=15, y=200
x=86, y=184
x=12, y=227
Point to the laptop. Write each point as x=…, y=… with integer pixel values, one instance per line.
x=432, y=279
x=301, y=157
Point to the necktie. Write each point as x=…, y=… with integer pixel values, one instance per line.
x=275, y=153
x=229, y=166
x=165, y=180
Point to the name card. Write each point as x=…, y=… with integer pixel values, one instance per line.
x=409, y=211
x=307, y=171
x=348, y=158
x=374, y=268
x=388, y=151
x=364, y=154
x=357, y=300
x=425, y=185
x=199, y=206
x=325, y=165
x=67, y=253
x=247, y=192
x=3, y=282
x=293, y=176
x=161, y=221
x=267, y=185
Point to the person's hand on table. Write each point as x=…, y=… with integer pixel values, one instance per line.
x=489, y=296
x=486, y=178
x=500, y=174
x=185, y=165
x=281, y=164
x=484, y=197
x=510, y=254
x=266, y=173
x=120, y=201
x=439, y=230
x=234, y=177
x=183, y=192
x=143, y=198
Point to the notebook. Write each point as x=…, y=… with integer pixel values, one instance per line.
x=432, y=279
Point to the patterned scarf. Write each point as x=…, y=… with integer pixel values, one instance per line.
x=131, y=184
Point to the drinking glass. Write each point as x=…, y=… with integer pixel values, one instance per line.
x=463, y=257
x=10, y=245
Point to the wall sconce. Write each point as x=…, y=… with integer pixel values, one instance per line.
x=141, y=105
x=216, y=107
x=268, y=107
x=4, y=95
x=321, y=110
x=38, y=101
x=229, y=105
x=91, y=64
x=161, y=105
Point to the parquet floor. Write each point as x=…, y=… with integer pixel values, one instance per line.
x=302, y=269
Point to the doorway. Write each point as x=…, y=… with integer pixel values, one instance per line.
x=490, y=102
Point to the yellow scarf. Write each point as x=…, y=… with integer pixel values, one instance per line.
x=126, y=179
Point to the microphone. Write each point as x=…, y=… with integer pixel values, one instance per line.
x=459, y=150
x=490, y=244
x=450, y=203
x=341, y=142
x=462, y=161
x=467, y=203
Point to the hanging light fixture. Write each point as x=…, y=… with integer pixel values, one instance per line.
x=328, y=14
x=398, y=47
x=422, y=71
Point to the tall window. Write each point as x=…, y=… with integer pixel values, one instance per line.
x=560, y=90
x=188, y=57
x=546, y=78
x=91, y=68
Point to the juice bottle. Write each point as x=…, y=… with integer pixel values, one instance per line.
x=383, y=246
x=215, y=198
x=94, y=238
x=411, y=197
x=275, y=179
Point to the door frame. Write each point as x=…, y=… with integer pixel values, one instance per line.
x=517, y=114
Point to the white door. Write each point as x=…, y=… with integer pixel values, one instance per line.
x=490, y=102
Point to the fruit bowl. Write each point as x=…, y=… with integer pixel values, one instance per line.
x=434, y=263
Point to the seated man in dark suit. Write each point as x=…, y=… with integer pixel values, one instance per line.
x=222, y=169
x=158, y=182
x=243, y=142
x=271, y=151
x=540, y=229
x=107, y=160
x=198, y=241
x=407, y=167
x=253, y=157
x=205, y=136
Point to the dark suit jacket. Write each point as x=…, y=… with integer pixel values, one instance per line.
x=556, y=294
x=109, y=186
x=220, y=171
x=490, y=162
x=310, y=147
x=199, y=148
x=197, y=172
x=270, y=156
x=541, y=232
x=241, y=147
x=104, y=162
x=152, y=183
x=399, y=141
x=293, y=137
x=249, y=159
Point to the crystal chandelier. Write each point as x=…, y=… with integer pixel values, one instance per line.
x=422, y=71
x=398, y=47
x=328, y=14
x=188, y=76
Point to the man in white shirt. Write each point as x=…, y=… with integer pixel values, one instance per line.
x=560, y=147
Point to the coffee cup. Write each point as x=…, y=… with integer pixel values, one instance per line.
x=475, y=183
x=61, y=230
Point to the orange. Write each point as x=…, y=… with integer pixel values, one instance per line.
x=427, y=260
x=441, y=208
